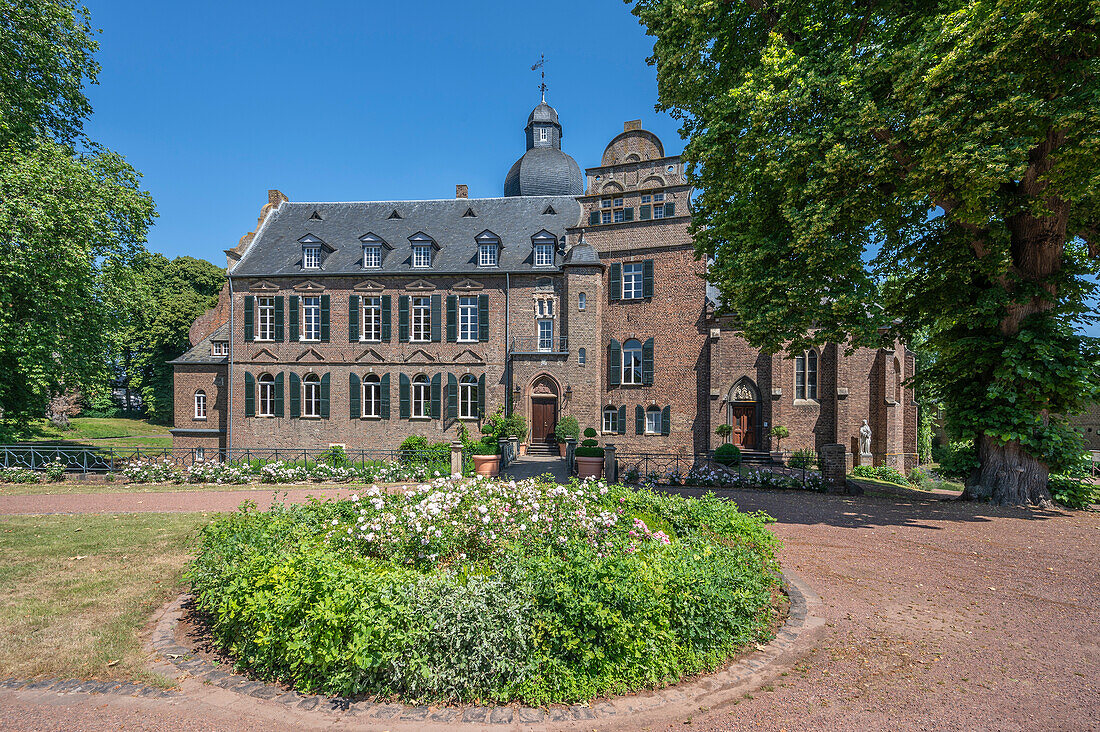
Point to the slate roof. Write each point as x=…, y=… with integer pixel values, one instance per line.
x=200, y=352
x=582, y=253
x=277, y=247
x=544, y=171
x=543, y=113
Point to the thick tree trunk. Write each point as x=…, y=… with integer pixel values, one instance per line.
x=1008, y=476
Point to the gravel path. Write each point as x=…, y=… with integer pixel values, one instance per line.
x=940, y=615
x=166, y=502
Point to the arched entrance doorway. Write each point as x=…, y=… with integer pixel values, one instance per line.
x=544, y=410
x=743, y=414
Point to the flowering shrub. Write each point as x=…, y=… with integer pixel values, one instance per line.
x=152, y=471
x=55, y=470
x=486, y=590
x=222, y=473
x=18, y=475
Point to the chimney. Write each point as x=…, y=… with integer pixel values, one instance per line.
x=461, y=191
x=634, y=124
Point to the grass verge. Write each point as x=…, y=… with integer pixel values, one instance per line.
x=79, y=590
x=71, y=486
x=88, y=428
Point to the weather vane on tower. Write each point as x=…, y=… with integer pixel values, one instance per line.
x=541, y=65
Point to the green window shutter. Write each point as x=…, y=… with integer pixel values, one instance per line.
x=386, y=318
x=249, y=318
x=324, y=318
x=353, y=318
x=437, y=396
x=481, y=395
x=403, y=318
x=615, y=363
x=622, y=420
x=326, y=380
x=354, y=392
x=615, y=282
x=385, y=396
x=437, y=317
x=279, y=319
x=628, y=214
x=644, y=212
x=452, y=397
x=639, y=420
x=647, y=363
x=483, y=318
x=295, y=390
x=594, y=217
x=249, y=395
x=670, y=209
x=279, y=394
x=666, y=420
x=647, y=278
x=295, y=318
x=403, y=395
x=452, y=318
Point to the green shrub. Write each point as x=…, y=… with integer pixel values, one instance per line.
x=586, y=450
x=728, y=455
x=805, y=459
x=515, y=426
x=567, y=428
x=1072, y=492
x=880, y=472
x=957, y=460
x=485, y=448
x=55, y=470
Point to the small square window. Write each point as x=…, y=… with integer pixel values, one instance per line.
x=658, y=197
x=618, y=203
x=422, y=255
x=646, y=198
x=605, y=203
x=605, y=217
x=619, y=216
x=311, y=257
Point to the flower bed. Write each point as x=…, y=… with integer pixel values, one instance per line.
x=490, y=591
x=280, y=471
x=716, y=477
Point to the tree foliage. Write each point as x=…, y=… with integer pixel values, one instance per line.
x=932, y=167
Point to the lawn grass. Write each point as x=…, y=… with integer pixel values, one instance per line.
x=928, y=485
x=72, y=486
x=79, y=591
x=87, y=428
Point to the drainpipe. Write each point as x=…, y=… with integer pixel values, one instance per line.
x=507, y=343
x=229, y=378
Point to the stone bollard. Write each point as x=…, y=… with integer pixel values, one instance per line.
x=456, y=459
x=833, y=466
x=513, y=441
x=505, y=451
x=610, y=467
x=570, y=449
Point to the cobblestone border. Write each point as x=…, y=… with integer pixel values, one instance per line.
x=680, y=700
x=76, y=686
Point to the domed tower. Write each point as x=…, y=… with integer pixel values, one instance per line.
x=544, y=170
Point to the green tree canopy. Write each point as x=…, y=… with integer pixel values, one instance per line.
x=924, y=166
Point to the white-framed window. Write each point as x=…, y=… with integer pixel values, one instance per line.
x=311, y=318
x=200, y=404
x=422, y=255
x=219, y=348
x=311, y=257
x=544, y=255
x=265, y=319
x=632, y=281
x=421, y=319
x=805, y=375
x=610, y=420
x=582, y=301
x=582, y=356
x=487, y=255
x=617, y=202
x=619, y=216
x=546, y=335
x=421, y=394
x=372, y=319
x=658, y=205
x=311, y=395
x=467, y=319
x=372, y=397
x=200, y=454
x=544, y=134
x=467, y=397
x=265, y=404
x=632, y=362
x=653, y=421
x=372, y=256
x=605, y=217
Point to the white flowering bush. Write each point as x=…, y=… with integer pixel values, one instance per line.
x=153, y=471
x=220, y=473
x=18, y=475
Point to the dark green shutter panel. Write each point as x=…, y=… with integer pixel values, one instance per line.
x=437, y=317
x=249, y=395
x=355, y=390
x=666, y=419
x=622, y=420
x=481, y=396
x=403, y=318
x=643, y=212
x=325, y=381
x=386, y=318
x=437, y=396
x=295, y=317
x=452, y=397
x=295, y=396
x=403, y=394
x=452, y=318
x=249, y=318
x=670, y=209
x=628, y=214
x=647, y=363
x=639, y=420
x=615, y=363
x=279, y=394
x=647, y=278
x=353, y=318
x=483, y=317
x=279, y=319
x=324, y=318
x=594, y=217
x=385, y=396
x=615, y=287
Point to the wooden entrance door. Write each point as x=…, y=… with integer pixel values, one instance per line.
x=544, y=418
x=743, y=421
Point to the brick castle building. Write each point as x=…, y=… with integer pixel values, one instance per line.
x=360, y=323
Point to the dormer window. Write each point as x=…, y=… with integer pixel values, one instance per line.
x=488, y=249
x=544, y=243
x=311, y=256
x=219, y=348
x=372, y=256
x=422, y=255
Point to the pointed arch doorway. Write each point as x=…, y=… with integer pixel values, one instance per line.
x=743, y=414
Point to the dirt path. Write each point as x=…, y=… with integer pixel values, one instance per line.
x=166, y=502
x=940, y=615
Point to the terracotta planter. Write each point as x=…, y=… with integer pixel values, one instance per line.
x=589, y=467
x=488, y=465
x=562, y=447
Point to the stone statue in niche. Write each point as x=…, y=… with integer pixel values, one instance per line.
x=865, y=439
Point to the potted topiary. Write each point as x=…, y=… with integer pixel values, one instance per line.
x=779, y=432
x=486, y=453
x=566, y=429
x=724, y=431
x=589, y=456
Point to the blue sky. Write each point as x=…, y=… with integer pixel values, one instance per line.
x=217, y=102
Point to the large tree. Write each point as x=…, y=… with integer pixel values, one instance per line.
x=927, y=166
